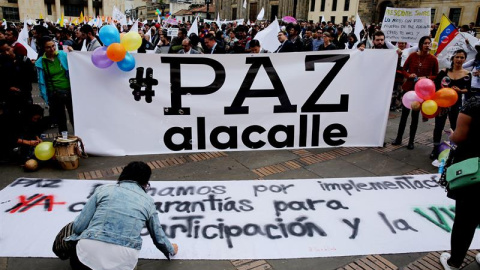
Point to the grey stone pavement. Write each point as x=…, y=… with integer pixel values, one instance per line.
x=261, y=166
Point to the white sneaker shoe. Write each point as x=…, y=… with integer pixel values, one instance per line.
x=443, y=260
x=477, y=258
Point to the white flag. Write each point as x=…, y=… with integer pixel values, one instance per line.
x=358, y=26
x=23, y=39
x=134, y=27
x=261, y=14
x=159, y=18
x=322, y=19
x=268, y=36
x=457, y=43
x=193, y=27
x=84, y=46
x=218, y=20
x=145, y=22
x=244, y=3
x=99, y=22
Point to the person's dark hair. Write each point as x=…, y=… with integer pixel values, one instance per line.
x=378, y=34
x=465, y=27
x=327, y=34
x=360, y=44
x=194, y=39
x=2, y=30
x=3, y=42
x=254, y=43
x=86, y=29
x=137, y=171
x=45, y=40
x=453, y=56
x=209, y=37
x=340, y=29
x=218, y=35
x=355, y=39
x=14, y=31
x=184, y=31
x=422, y=40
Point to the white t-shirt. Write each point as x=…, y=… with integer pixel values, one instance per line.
x=99, y=255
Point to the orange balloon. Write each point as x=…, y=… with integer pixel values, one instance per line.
x=445, y=97
x=116, y=52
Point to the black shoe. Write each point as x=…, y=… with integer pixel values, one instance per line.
x=434, y=154
x=397, y=141
x=410, y=146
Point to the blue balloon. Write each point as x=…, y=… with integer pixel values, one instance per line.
x=128, y=63
x=109, y=34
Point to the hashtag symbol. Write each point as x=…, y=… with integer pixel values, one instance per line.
x=139, y=82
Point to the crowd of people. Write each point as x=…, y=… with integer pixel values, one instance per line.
x=49, y=69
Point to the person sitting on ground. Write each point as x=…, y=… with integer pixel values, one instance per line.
x=108, y=229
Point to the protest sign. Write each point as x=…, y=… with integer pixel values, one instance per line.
x=271, y=219
x=195, y=103
x=406, y=24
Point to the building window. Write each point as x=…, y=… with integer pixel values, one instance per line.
x=322, y=5
x=477, y=23
x=72, y=10
x=454, y=15
x=432, y=15
x=10, y=14
x=234, y=13
x=312, y=5
x=97, y=11
x=346, y=7
x=334, y=5
x=344, y=19
x=332, y=19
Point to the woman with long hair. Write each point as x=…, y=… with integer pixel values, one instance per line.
x=418, y=66
x=460, y=80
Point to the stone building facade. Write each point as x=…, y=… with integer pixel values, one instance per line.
x=19, y=10
x=233, y=9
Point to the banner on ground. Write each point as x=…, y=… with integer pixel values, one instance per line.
x=406, y=24
x=195, y=103
x=272, y=219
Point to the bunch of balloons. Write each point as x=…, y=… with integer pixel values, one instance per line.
x=116, y=48
x=425, y=99
x=44, y=151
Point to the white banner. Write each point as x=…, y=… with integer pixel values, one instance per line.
x=457, y=43
x=250, y=219
x=200, y=103
x=406, y=24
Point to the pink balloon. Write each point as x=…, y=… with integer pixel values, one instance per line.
x=410, y=97
x=425, y=89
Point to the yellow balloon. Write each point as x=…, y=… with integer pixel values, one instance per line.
x=44, y=151
x=131, y=41
x=429, y=107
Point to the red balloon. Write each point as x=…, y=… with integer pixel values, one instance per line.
x=425, y=89
x=445, y=97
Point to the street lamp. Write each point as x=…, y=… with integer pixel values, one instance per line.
x=208, y=9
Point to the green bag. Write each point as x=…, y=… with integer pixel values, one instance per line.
x=463, y=174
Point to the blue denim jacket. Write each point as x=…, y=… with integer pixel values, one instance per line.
x=116, y=214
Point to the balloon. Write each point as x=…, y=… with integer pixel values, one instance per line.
x=410, y=97
x=425, y=89
x=127, y=64
x=416, y=106
x=109, y=34
x=116, y=52
x=430, y=116
x=131, y=41
x=443, y=155
x=443, y=146
x=429, y=107
x=445, y=97
x=121, y=35
x=31, y=165
x=100, y=59
x=44, y=151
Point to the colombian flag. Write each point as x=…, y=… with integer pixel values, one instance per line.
x=446, y=32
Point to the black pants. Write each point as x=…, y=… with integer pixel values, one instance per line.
x=441, y=120
x=75, y=262
x=466, y=221
x=58, y=101
x=403, y=123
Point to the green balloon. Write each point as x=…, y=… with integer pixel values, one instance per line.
x=443, y=155
x=44, y=151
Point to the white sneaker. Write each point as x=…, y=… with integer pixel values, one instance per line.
x=477, y=258
x=443, y=260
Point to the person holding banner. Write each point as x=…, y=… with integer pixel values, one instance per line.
x=108, y=229
x=418, y=65
x=460, y=80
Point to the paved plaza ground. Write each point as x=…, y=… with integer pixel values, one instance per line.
x=261, y=166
